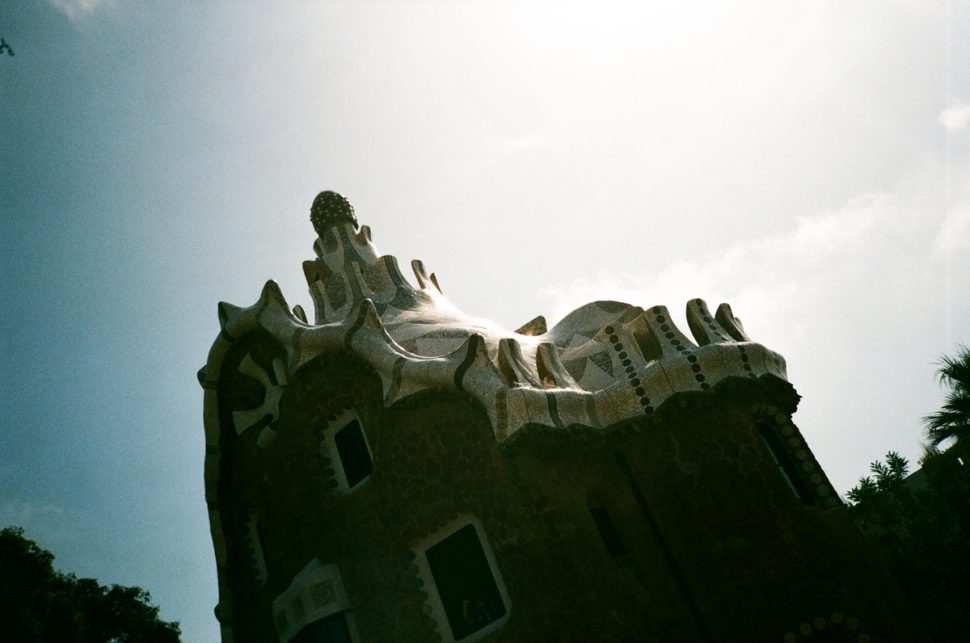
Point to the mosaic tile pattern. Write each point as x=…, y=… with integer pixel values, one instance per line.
x=628, y=358
x=603, y=363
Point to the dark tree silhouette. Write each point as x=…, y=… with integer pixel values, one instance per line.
x=38, y=604
x=953, y=419
x=919, y=524
x=888, y=476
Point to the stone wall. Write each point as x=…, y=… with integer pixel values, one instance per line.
x=716, y=546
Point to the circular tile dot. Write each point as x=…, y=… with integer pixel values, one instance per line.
x=618, y=347
x=669, y=335
x=675, y=342
x=645, y=401
x=822, y=490
x=648, y=409
x=614, y=338
x=744, y=358
x=692, y=358
x=665, y=328
x=819, y=623
x=815, y=478
x=609, y=329
x=696, y=368
x=661, y=319
x=639, y=391
x=741, y=348
x=852, y=623
x=655, y=310
x=787, y=430
x=805, y=629
x=630, y=369
x=790, y=637
x=622, y=355
x=801, y=454
x=699, y=377
x=794, y=441
x=636, y=382
x=807, y=465
x=837, y=617
x=681, y=349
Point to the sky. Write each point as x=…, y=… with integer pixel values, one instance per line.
x=807, y=162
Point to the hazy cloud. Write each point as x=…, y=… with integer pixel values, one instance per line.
x=956, y=117
x=954, y=234
x=46, y=519
x=847, y=297
x=756, y=275
x=75, y=9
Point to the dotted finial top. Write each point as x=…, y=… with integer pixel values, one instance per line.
x=330, y=208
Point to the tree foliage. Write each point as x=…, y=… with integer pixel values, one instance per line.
x=38, y=604
x=953, y=419
x=919, y=525
x=889, y=475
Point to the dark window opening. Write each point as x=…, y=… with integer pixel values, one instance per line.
x=261, y=543
x=354, y=455
x=785, y=466
x=468, y=590
x=332, y=629
x=604, y=524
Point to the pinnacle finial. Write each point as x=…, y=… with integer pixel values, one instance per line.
x=330, y=208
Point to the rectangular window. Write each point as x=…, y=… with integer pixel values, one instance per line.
x=784, y=463
x=354, y=454
x=604, y=524
x=466, y=585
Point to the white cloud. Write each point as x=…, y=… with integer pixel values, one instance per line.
x=854, y=301
x=75, y=9
x=954, y=234
x=956, y=117
x=767, y=269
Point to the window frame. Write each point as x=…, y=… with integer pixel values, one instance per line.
x=434, y=601
x=301, y=596
x=329, y=450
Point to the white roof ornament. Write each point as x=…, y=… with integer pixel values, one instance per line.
x=603, y=363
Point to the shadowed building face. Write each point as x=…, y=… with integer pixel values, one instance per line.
x=399, y=470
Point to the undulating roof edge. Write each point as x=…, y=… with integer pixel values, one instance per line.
x=603, y=363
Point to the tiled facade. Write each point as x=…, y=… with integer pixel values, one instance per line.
x=398, y=471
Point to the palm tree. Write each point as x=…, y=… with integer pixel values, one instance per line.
x=953, y=419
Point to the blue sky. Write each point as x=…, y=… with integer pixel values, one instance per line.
x=807, y=162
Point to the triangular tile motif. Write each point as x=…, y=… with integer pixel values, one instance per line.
x=603, y=361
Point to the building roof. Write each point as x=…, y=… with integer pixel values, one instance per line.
x=603, y=363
